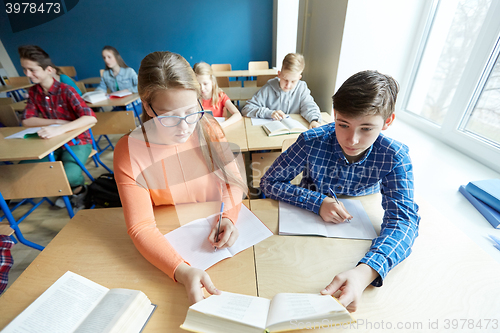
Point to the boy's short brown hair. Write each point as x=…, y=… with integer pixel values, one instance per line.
x=36, y=54
x=293, y=62
x=365, y=93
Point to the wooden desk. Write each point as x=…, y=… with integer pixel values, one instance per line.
x=246, y=72
x=259, y=140
x=95, y=244
x=236, y=133
x=446, y=277
x=19, y=106
x=13, y=87
x=129, y=102
x=240, y=93
x=124, y=101
x=32, y=148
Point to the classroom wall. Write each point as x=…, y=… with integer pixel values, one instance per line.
x=381, y=35
x=218, y=31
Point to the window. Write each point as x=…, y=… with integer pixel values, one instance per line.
x=454, y=89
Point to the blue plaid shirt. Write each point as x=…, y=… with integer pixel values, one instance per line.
x=385, y=167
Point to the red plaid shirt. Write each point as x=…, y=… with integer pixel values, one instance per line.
x=62, y=102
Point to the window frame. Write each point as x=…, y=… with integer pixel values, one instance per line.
x=468, y=90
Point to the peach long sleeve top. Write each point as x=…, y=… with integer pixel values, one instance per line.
x=149, y=174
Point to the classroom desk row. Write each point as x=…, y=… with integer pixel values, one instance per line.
x=447, y=284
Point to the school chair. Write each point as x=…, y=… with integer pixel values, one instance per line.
x=19, y=93
x=8, y=116
x=69, y=71
x=224, y=82
x=262, y=79
x=6, y=100
x=255, y=65
x=252, y=65
x=82, y=87
x=119, y=122
x=28, y=181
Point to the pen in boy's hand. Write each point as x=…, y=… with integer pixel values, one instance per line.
x=218, y=225
x=334, y=196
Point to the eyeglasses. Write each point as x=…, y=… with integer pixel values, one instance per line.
x=172, y=121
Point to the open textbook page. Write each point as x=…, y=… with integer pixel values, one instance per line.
x=297, y=221
x=231, y=312
x=76, y=304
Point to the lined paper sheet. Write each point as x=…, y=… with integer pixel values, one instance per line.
x=191, y=240
x=297, y=221
x=260, y=121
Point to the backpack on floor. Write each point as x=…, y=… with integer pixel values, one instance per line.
x=103, y=192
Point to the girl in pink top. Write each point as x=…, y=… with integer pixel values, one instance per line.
x=214, y=99
x=178, y=156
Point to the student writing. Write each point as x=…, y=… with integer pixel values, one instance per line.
x=213, y=98
x=117, y=75
x=51, y=102
x=180, y=155
x=285, y=94
x=352, y=157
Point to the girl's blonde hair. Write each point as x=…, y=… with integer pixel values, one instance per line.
x=166, y=70
x=202, y=68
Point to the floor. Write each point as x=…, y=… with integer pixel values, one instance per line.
x=439, y=170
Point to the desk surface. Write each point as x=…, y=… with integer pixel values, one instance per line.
x=12, y=87
x=237, y=134
x=124, y=101
x=446, y=277
x=246, y=72
x=95, y=244
x=32, y=148
x=259, y=140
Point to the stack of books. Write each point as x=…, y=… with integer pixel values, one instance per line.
x=485, y=196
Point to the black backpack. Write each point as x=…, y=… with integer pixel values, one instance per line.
x=103, y=192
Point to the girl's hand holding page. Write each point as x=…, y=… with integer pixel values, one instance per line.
x=194, y=280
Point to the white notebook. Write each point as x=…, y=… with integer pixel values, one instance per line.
x=191, y=240
x=297, y=221
x=284, y=126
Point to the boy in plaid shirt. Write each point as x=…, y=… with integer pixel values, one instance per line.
x=51, y=102
x=353, y=158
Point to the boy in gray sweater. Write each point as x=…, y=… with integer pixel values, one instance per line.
x=284, y=95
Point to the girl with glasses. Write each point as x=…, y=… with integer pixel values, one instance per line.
x=214, y=99
x=178, y=156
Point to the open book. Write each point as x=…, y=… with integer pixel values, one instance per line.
x=94, y=96
x=76, y=304
x=120, y=94
x=191, y=240
x=284, y=126
x=297, y=221
x=31, y=132
x=230, y=312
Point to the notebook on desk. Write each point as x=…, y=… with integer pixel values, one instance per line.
x=297, y=221
x=191, y=240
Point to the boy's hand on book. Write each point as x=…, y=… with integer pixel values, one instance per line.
x=194, y=280
x=330, y=211
x=314, y=124
x=351, y=284
x=50, y=132
x=278, y=115
x=228, y=234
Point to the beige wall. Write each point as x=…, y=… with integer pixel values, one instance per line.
x=6, y=62
x=321, y=26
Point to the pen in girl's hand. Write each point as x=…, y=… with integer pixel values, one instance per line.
x=218, y=226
